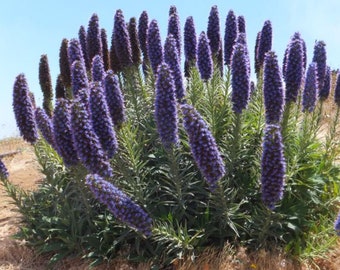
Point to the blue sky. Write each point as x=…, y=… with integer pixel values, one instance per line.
x=29, y=29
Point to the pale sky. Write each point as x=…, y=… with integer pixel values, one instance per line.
x=29, y=29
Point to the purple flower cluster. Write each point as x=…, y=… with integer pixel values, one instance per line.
x=93, y=39
x=154, y=43
x=119, y=204
x=63, y=133
x=75, y=52
x=83, y=45
x=23, y=110
x=204, y=58
x=230, y=36
x=60, y=91
x=337, y=90
x=203, y=146
x=101, y=120
x=98, y=71
x=273, y=166
x=272, y=89
x=213, y=31
x=135, y=47
x=64, y=64
x=337, y=225
x=143, y=24
x=240, y=78
x=166, y=107
x=114, y=99
x=172, y=59
x=45, y=126
x=324, y=91
x=319, y=57
x=174, y=29
x=122, y=44
x=309, y=94
x=86, y=141
x=46, y=84
x=265, y=42
x=105, y=49
x=79, y=77
x=257, y=65
x=114, y=61
x=3, y=171
x=190, y=45
x=241, y=24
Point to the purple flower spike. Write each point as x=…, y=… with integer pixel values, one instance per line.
x=240, y=78
x=64, y=64
x=241, y=39
x=155, y=50
x=309, y=94
x=190, y=44
x=75, y=52
x=265, y=43
x=230, y=36
x=3, y=171
x=273, y=166
x=213, y=31
x=101, y=120
x=93, y=39
x=60, y=91
x=143, y=25
x=45, y=126
x=87, y=143
x=114, y=61
x=83, y=45
x=121, y=40
x=319, y=57
x=324, y=92
x=114, y=99
x=257, y=65
x=203, y=146
x=241, y=24
x=174, y=29
x=294, y=70
x=337, y=225
x=135, y=47
x=172, y=59
x=166, y=107
x=337, y=90
x=272, y=89
x=204, y=58
x=45, y=82
x=119, y=204
x=62, y=132
x=105, y=49
x=98, y=72
x=23, y=110
x=79, y=77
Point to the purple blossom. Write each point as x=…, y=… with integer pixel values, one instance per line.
x=114, y=99
x=93, y=39
x=105, y=49
x=240, y=79
x=242, y=39
x=203, y=146
x=83, y=45
x=121, y=40
x=319, y=57
x=119, y=204
x=79, y=77
x=135, y=47
x=45, y=82
x=257, y=65
x=190, y=45
x=173, y=61
x=272, y=89
x=265, y=42
x=155, y=50
x=166, y=107
x=62, y=132
x=45, y=126
x=273, y=166
x=23, y=110
x=101, y=120
x=324, y=91
x=174, y=29
x=87, y=142
x=337, y=90
x=213, y=31
x=60, y=91
x=143, y=25
x=204, y=58
x=64, y=64
x=172, y=10
x=230, y=36
x=3, y=171
x=75, y=52
x=337, y=225
x=241, y=24
x=309, y=94
x=98, y=71
x=114, y=61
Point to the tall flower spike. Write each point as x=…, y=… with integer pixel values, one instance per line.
x=101, y=120
x=320, y=57
x=155, y=49
x=3, y=171
x=241, y=39
x=190, y=45
x=273, y=166
x=105, y=49
x=241, y=24
x=309, y=94
x=75, y=52
x=256, y=54
x=230, y=36
x=337, y=225
x=79, y=77
x=114, y=61
x=272, y=89
x=324, y=92
x=143, y=24
x=64, y=64
x=62, y=132
x=46, y=84
x=172, y=59
x=265, y=42
x=174, y=29
x=294, y=70
x=93, y=39
x=83, y=45
x=240, y=79
x=213, y=31
x=114, y=99
x=60, y=91
x=203, y=146
x=135, y=48
x=98, y=72
x=119, y=204
x=337, y=90
x=121, y=40
x=204, y=58
x=86, y=141
x=23, y=110
x=45, y=126
x=172, y=10
x=166, y=107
